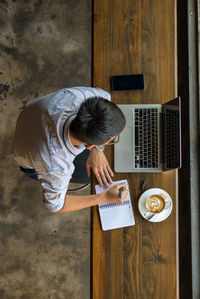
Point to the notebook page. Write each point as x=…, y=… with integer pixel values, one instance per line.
x=115, y=215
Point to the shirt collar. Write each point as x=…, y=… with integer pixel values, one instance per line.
x=75, y=150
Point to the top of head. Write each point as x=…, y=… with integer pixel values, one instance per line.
x=97, y=121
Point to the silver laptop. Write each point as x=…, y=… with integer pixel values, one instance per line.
x=151, y=140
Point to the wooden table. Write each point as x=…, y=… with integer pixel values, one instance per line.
x=131, y=37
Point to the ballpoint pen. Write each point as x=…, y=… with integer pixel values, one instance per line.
x=120, y=192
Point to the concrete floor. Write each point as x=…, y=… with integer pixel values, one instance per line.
x=44, y=46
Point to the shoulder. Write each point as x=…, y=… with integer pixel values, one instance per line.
x=89, y=92
x=103, y=93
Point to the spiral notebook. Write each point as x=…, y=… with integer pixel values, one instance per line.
x=115, y=215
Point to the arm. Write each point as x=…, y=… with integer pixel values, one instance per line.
x=74, y=203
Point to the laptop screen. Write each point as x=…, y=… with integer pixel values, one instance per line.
x=171, y=129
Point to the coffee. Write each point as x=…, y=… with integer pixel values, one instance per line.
x=155, y=203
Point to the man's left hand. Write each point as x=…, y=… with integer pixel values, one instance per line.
x=97, y=161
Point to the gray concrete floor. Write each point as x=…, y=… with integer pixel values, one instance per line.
x=44, y=46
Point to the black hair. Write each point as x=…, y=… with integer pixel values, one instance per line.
x=97, y=121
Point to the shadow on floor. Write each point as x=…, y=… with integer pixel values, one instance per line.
x=44, y=46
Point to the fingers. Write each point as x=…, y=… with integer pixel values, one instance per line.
x=103, y=178
x=98, y=177
x=123, y=194
x=99, y=165
x=108, y=176
x=110, y=170
x=114, y=194
x=123, y=185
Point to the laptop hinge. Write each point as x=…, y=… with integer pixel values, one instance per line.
x=162, y=138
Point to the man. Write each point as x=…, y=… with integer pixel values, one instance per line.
x=53, y=130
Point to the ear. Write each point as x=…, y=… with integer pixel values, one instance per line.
x=90, y=146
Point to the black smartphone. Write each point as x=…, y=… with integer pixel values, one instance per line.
x=127, y=82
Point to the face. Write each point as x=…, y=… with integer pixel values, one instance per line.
x=110, y=141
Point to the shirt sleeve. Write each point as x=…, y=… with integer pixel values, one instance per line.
x=94, y=92
x=54, y=190
x=102, y=93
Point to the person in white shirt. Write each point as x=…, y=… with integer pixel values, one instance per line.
x=53, y=130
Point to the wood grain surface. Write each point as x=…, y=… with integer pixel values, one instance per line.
x=131, y=37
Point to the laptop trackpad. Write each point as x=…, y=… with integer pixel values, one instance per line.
x=123, y=151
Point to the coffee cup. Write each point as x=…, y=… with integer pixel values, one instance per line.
x=156, y=203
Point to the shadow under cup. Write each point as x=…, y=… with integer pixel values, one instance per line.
x=156, y=203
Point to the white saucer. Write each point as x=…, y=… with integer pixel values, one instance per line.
x=156, y=217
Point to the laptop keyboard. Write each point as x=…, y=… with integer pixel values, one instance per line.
x=146, y=138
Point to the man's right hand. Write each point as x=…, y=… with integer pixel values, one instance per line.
x=112, y=194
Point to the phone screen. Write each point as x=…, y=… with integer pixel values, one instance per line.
x=127, y=82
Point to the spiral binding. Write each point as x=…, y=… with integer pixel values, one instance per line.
x=113, y=205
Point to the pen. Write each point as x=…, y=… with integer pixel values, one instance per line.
x=120, y=192
x=142, y=185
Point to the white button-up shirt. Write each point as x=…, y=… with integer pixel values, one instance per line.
x=42, y=140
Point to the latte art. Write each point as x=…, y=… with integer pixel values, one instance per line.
x=155, y=203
